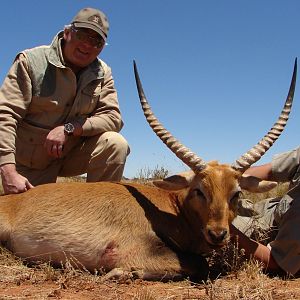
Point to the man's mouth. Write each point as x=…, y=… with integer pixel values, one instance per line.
x=82, y=53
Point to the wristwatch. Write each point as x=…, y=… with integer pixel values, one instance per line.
x=69, y=128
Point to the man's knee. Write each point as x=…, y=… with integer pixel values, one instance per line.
x=117, y=142
x=114, y=145
x=108, y=158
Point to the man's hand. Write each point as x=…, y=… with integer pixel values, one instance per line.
x=55, y=141
x=12, y=181
x=57, y=138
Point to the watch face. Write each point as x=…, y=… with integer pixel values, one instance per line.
x=69, y=128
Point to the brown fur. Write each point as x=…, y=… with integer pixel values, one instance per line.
x=111, y=226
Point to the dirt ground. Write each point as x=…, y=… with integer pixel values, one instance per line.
x=225, y=288
x=18, y=281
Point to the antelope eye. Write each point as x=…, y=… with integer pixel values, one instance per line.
x=199, y=193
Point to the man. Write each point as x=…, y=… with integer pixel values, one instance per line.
x=59, y=110
x=278, y=218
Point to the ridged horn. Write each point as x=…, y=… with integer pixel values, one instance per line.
x=183, y=153
x=256, y=152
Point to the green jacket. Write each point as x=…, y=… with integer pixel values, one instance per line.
x=40, y=93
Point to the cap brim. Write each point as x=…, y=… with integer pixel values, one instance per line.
x=90, y=26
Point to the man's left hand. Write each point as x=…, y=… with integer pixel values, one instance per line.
x=55, y=142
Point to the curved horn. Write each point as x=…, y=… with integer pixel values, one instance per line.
x=183, y=153
x=256, y=152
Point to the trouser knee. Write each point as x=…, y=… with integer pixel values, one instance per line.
x=102, y=157
x=116, y=147
x=110, y=148
x=108, y=158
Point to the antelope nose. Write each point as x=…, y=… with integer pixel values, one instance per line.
x=217, y=237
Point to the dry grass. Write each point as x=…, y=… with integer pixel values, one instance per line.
x=232, y=276
x=18, y=281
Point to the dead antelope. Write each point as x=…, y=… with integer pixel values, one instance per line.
x=154, y=233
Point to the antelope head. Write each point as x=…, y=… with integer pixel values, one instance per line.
x=211, y=190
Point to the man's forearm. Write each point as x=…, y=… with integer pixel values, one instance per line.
x=263, y=172
x=255, y=250
x=7, y=168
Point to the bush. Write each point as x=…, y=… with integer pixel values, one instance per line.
x=146, y=174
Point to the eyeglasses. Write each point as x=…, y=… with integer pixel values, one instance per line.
x=81, y=35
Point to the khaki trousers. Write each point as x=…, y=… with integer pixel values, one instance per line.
x=261, y=221
x=102, y=157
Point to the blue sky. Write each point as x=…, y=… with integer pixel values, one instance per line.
x=216, y=73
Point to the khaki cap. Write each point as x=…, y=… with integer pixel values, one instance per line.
x=93, y=19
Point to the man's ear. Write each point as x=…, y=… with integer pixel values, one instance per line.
x=256, y=185
x=67, y=33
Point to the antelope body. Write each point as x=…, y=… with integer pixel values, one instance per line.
x=156, y=232
x=117, y=226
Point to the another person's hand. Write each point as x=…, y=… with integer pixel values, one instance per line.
x=12, y=181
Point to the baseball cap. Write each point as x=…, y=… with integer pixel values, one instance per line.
x=93, y=19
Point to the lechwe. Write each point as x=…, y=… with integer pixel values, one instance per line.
x=160, y=233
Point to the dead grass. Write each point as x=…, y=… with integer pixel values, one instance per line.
x=18, y=281
x=232, y=277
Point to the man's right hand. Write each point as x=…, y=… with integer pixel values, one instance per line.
x=12, y=181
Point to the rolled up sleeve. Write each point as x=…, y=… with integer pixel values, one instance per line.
x=285, y=166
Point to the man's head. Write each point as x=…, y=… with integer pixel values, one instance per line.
x=85, y=37
x=93, y=19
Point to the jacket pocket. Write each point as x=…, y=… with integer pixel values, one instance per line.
x=30, y=150
x=89, y=99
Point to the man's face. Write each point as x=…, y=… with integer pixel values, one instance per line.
x=82, y=46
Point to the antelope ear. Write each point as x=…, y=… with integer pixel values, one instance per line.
x=175, y=182
x=256, y=185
